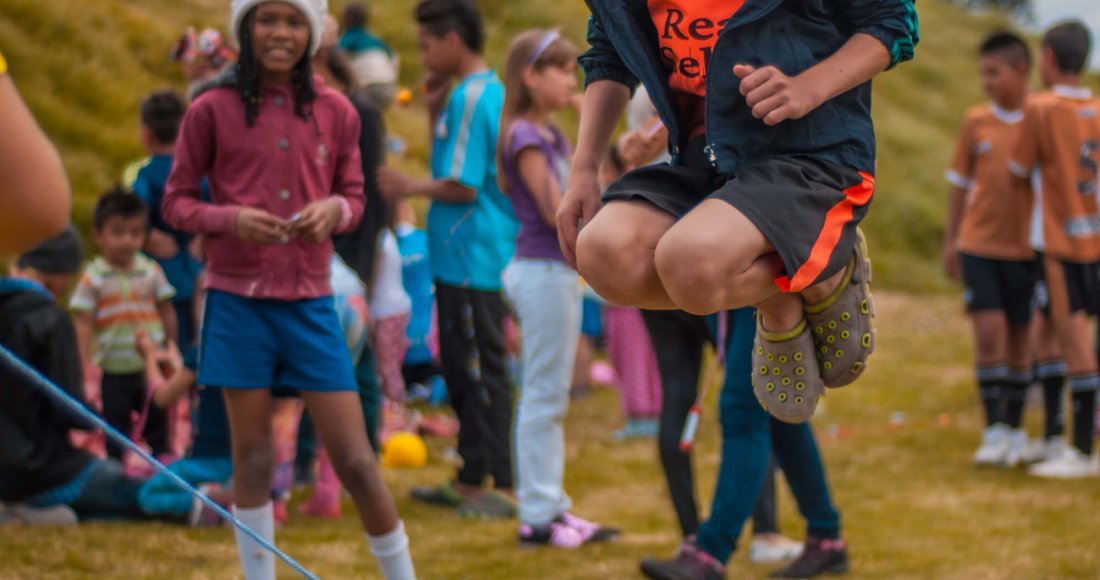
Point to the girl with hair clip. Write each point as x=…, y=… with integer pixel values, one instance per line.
x=281, y=153
x=534, y=157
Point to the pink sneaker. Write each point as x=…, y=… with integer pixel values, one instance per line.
x=278, y=506
x=556, y=534
x=591, y=531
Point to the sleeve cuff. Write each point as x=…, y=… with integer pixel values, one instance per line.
x=346, y=215
x=606, y=73
x=901, y=48
x=219, y=219
x=954, y=178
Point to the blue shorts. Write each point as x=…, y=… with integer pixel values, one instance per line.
x=260, y=344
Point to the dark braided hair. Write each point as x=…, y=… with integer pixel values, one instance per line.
x=248, y=70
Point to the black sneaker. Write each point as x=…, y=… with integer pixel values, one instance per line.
x=690, y=564
x=820, y=556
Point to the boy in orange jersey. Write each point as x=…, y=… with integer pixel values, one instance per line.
x=1059, y=149
x=987, y=245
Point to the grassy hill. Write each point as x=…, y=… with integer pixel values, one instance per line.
x=84, y=65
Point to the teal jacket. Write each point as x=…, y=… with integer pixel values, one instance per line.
x=792, y=35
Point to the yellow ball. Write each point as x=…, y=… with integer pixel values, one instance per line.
x=404, y=450
x=404, y=96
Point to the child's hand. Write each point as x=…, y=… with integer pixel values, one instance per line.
x=144, y=344
x=318, y=220
x=580, y=202
x=170, y=358
x=259, y=227
x=952, y=264
x=774, y=96
x=435, y=90
x=195, y=248
x=642, y=145
x=160, y=244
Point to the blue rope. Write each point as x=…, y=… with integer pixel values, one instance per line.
x=42, y=382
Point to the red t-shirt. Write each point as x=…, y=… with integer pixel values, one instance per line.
x=688, y=30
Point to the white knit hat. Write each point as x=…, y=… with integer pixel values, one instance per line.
x=315, y=11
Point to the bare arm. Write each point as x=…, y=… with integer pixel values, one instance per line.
x=168, y=318
x=776, y=97
x=35, y=199
x=956, y=209
x=396, y=185
x=534, y=170
x=83, y=322
x=604, y=103
x=175, y=389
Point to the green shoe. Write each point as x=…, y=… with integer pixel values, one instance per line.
x=443, y=494
x=785, y=376
x=491, y=505
x=844, y=324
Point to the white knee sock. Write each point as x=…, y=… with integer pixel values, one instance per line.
x=257, y=561
x=392, y=552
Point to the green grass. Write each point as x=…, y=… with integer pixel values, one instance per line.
x=912, y=505
x=84, y=65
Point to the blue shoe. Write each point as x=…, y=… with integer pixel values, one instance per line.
x=638, y=429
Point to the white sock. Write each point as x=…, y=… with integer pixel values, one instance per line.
x=392, y=552
x=257, y=561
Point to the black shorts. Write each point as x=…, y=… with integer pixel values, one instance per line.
x=806, y=208
x=1003, y=285
x=1067, y=287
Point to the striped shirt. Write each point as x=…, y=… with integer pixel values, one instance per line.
x=123, y=302
x=471, y=243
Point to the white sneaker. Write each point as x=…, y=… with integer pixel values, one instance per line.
x=1025, y=451
x=996, y=446
x=774, y=549
x=57, y=515
x=1053, y=448
x=1071, y=464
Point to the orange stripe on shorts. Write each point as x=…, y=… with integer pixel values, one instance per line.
x=838, y=217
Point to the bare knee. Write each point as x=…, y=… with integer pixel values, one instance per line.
x=1019, y=348
x=252, y=470
x=358, y=473
x=699, y=279
x=990, y=342
x=691, y=284
x=989, y=350
x=615, y=262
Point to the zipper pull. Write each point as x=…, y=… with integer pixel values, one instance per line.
x=711, y=155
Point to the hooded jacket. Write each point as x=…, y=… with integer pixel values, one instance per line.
x=35, y=453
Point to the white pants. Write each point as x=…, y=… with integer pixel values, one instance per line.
x=546, y=295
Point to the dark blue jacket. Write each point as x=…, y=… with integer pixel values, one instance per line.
x=792, y=35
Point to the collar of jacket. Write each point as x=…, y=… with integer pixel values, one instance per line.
x=14, y=285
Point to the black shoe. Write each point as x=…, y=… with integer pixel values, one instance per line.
x=690, y=564
x=820, y=556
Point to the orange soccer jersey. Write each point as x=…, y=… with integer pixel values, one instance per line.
x=998, y=206
x=1060, y=137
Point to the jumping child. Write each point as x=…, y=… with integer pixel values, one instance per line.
x=767, y=106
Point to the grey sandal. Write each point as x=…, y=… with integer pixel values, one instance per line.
x=785, y=376
x=843, y=324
